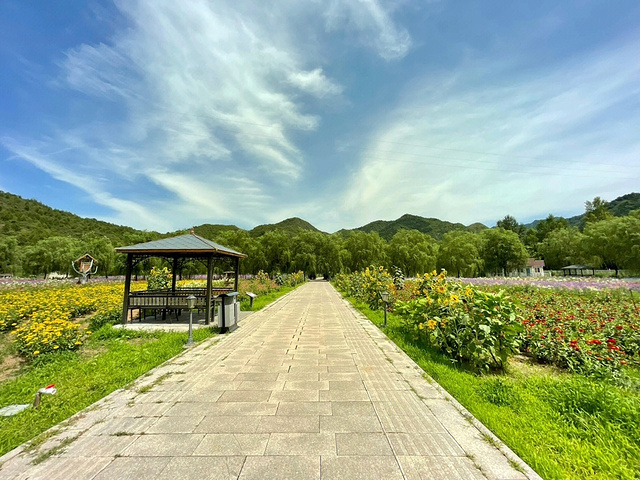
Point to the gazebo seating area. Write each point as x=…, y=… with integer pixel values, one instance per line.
x=177, y=250
x=173, y=301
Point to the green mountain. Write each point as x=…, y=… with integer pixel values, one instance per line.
x=432, y=226
x=30, y=221
x=290, y=226
x=619, y=207
x=211, y=231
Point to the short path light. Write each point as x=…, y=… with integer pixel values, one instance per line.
x=385, y=298
x=191, y=303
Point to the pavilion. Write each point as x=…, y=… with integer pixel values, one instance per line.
x=574, y=270
x=178, y=250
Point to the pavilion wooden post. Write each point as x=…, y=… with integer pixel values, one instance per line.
x=174, y=274
x=209, y=282
x=237, y=262
x=127, y=288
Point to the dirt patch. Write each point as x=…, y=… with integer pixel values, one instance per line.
x=10, y=366
x=528, y=367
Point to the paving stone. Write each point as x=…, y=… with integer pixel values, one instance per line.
x=289, y=424
x=80, y=468
x=439, y=468
x=362, y=444
x=245, y=396
x=202, y=468
x=99, y=446
x=301, y=444
x=304, y=408
x=228, y=424
x=119, y=425
x=352, y=408
x=228, y=444
x=163, y=445
x=201, y=396
x=360, y=468
x=344, y=395
x=133, y=467
x=169, y=424
x=350, y=424
x=301, y=467
x=257, y=377
x=185, y=409
x=424, y=444
x=307, y=385
x=295, y=396
x=143, y=410
x=346, y=385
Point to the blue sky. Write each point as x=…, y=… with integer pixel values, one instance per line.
x=162, y=114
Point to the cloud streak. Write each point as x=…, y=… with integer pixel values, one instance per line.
x=470, y=146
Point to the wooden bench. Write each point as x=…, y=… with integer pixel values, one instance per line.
x=168, y=301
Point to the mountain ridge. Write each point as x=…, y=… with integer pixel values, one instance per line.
x=30, y=221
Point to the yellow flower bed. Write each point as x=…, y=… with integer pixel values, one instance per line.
x=41, y=319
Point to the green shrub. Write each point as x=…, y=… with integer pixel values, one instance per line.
x=159, y=279
x=101, y=319
x=468, y=325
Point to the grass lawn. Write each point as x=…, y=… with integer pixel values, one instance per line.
x=565, y=426
x=109, y=359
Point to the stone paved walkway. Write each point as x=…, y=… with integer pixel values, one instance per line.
x=306, y=388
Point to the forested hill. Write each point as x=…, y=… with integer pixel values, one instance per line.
x=618, y=207
x=289, y=226
x=432, y=226
x=30, y=221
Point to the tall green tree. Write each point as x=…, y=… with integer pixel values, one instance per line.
x=596, y=211
x=614, y=243
x=459, y=253
x=413, y=252
x=562, y=247
x=510, y=223
x=53, y=254
x=364, y=249
x=9, y=255
x=502, y=251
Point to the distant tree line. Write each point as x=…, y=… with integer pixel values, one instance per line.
x=601, y=241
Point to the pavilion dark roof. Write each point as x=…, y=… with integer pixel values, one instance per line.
x=190, y=243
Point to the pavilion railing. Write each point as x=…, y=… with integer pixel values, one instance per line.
x=168, y=300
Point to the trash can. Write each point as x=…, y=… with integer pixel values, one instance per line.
x=228, y=312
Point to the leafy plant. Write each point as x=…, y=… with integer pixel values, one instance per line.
x=159, y=279
x=468, y=325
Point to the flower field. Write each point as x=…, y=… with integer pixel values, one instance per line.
x=582, y=331
x=584, y=325
x=41, y=319
x=568, y=283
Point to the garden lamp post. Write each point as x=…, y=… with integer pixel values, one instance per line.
x=191, y=303
x=385, y=298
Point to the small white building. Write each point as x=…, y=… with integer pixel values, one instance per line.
x=533, y=268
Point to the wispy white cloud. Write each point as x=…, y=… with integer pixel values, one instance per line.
x=130, y=212
x=482, y=142
x=372, y=23
x=315, y=83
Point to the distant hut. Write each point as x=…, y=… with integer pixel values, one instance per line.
x=575, y=270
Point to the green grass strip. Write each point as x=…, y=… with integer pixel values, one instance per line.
x=565, y=426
